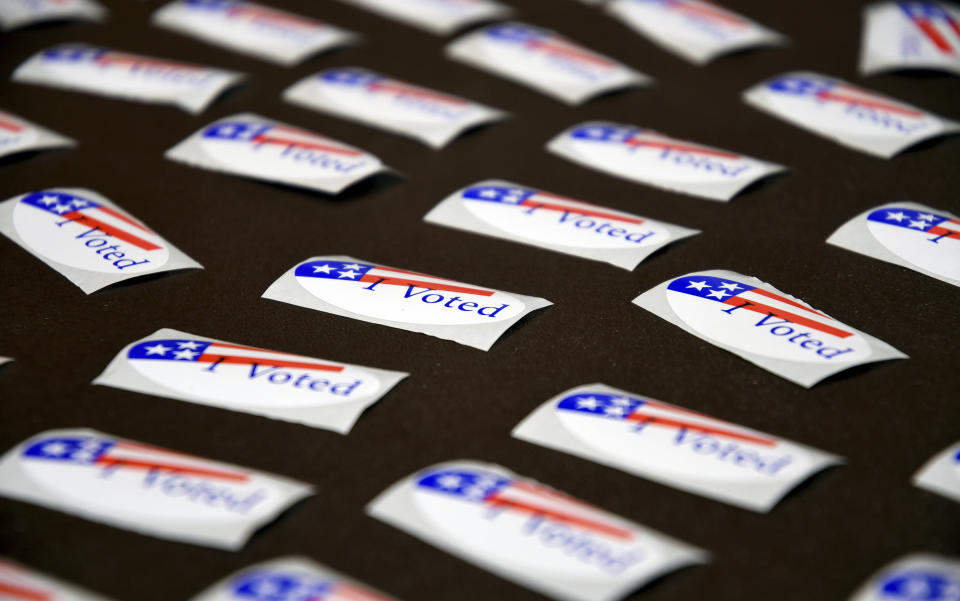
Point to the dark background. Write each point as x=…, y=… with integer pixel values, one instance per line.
x=820, y=543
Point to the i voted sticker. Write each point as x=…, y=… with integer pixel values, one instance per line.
x=128, y=76
x=252, y=28
x=19, y=135
x=942, y=473
x=847, y=114
x=672, y=445
x=697, y=30
x=289, y=579
x=21, y=13
x=86, y=238
x=435, y=118
x=756, y=321
x=468, y=314
x=913, y=235
x=529, y=533
x=521, y=214
x=20, y=583
x=144, y=488
x=545, y=61
x=253, y=146
x=315, y=392
x=910, y=35
x=441, y=17
x=655, y=159
x=915, y=577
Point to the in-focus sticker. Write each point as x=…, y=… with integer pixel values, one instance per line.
x=20, y=13
x=513, y=212
x=757, y=322
x=144, y=488
x=652, y=158
x=913, y=235
x=435, y=118
x=529, y=533
x=910, y=35
x=942, y=473
x=19, y=583
x=698, y=31
x=86, y=238
x=916, y=577
x=19, y=135
x=315, y=392
x=253, y=146
x=252, y=28
x=128, y=76
x=441, y=17
x=289, y=579
x=545, y=61
x=672, y=445
x=408, y=300
x=849, y=115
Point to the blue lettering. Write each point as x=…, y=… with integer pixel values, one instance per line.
x=777, y=328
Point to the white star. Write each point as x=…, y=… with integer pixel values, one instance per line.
x=621, y=402
x=898, y=216
x=56, y=449
x=449, y=481
x=719, y=294
x=79, y=203
x=190, y=345
x=49, y=200
x=595, y=132
x=350, y=274
x=61, y=209
x=698, y=285
x=227, y=131
x=267, y=589
x=351, y=266
x=588, y=403
x=322, y=268
x=186, y=355
x=730, y=287
x=157, y=349
x=616, y=411
x=926, y=217
x=512, y=199
x=488, y=193
x=918, y=224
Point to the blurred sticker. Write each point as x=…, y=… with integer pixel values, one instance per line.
x=21, y=13
x=942, y=474
x=19, y=135
x=19, y=583
x=916, y=577
x=910, y=35
x=441, y=17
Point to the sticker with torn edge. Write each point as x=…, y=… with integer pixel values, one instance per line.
x=521, y=214
x=909, y=234
x=432, y=117
x=915, y=577
x=441, y=17
x=127, y=76
x=254, y=29
x=529, y=533
x=942, y=473
x=20, y=583
x=649, y=157
x=545, y=61
x=464, y=313
x=87, y=238
x=672, y=445
x=847, y=114
x=768, y=328
x=910, y=35
x=19, y=135
x=21, y=13
x=314, y=392
x=693, y=29
x=144, y=488
x=252, y=146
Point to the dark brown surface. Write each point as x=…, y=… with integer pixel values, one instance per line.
x=818, y=544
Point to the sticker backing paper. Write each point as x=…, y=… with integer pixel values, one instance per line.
x=19, y=135
x=916, y=577
x=521, y=214
x=910, y=35
x=20, y=13
x=529, y=533
x=672, y=445
x=19, y=583
x=314, y=392
x=403, y=299
x=144, y=488
x=942, y=473
x=441, y=17
x=768, y=328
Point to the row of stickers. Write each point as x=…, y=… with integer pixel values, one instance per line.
x=897, y=35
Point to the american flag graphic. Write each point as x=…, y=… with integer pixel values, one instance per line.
x=257, y=133
x=385, y=276
x=253, y=12
x=741, y=296
x=938, y=226
x=380, y=84
x=205, y=351
x=828, y=91
x=287, y=586
x=936, y=23
x=644, y=413
x=92, y=214
x=542, y=41
x=528, y=197
x=8, y=123
x=91, y=451
x=636, y=138
x=16, y=585
x=514, y=494
x=918, y=584
x=109, y=58
x=701, y=11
